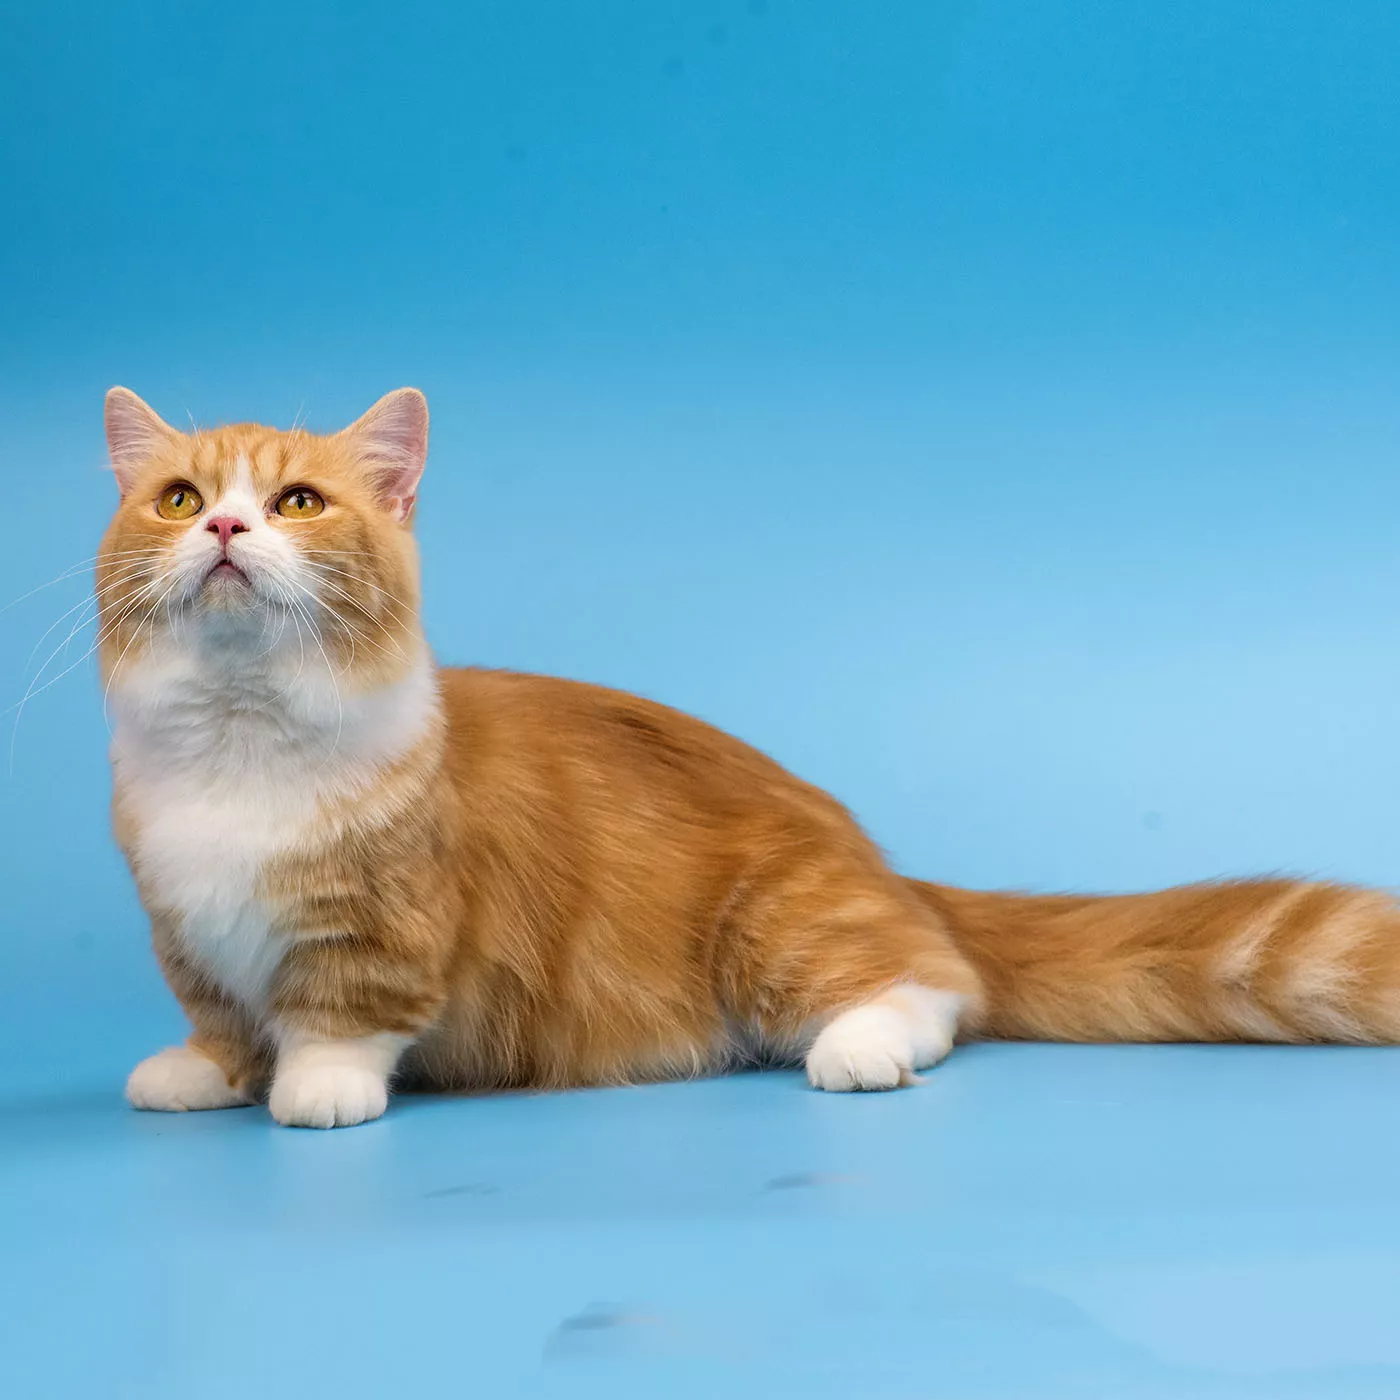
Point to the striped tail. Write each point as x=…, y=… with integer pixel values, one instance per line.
x=1255, y=960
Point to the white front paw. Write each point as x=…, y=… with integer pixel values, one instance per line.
x=180, y=1079
x=868, y=1047
x=327, y=1095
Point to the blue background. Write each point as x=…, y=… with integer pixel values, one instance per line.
x=986, y=408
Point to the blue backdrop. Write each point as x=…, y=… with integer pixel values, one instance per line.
x=986, y=408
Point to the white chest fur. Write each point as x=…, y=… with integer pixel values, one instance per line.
x=202, y=855
x=221, y=773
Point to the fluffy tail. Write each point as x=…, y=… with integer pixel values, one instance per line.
x=1260, y=960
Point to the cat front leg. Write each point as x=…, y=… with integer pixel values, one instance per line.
x=221, y=1065
x=334, y=1083
x=181, y=1079
x=344, y=1011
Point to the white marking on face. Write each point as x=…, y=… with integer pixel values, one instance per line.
x=240, y=497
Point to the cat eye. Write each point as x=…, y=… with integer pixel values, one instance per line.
x=179, y=502
x=300, y=503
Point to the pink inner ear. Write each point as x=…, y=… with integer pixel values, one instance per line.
x=135, y=432
x=392, y=439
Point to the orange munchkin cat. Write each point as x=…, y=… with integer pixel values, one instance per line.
x=362, y=869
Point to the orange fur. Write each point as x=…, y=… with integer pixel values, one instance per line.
x=545, y=883
x=1247, y=960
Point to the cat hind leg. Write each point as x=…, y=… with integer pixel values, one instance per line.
x=880, y=1043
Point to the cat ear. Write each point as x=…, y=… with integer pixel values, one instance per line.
x=135, y=432
x=392, y=440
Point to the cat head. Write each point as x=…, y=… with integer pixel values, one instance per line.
x=247, y=542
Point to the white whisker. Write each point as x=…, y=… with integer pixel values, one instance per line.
x=140, y=626
x=72, y=571
x=132, y=573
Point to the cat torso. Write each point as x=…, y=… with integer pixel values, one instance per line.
x=589, y=852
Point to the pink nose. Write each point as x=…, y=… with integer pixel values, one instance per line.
x=225, y=527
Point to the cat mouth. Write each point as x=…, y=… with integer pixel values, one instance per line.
x=227, y=569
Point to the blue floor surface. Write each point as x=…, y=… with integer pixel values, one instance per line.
x=1033, y=1221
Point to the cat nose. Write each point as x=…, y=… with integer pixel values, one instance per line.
x=225, y=527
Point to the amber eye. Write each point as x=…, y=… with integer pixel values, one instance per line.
x=179, y=502
x=300, y=503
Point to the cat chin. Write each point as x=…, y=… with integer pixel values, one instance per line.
x=229, y=592
x=234, y=599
